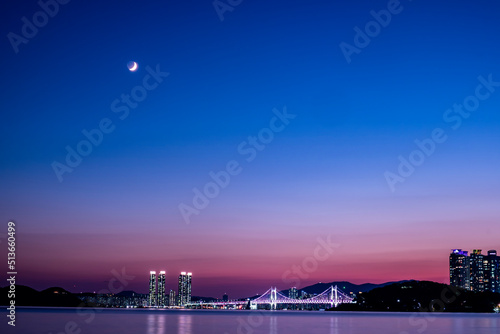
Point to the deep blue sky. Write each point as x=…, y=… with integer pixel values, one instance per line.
x=323, y=174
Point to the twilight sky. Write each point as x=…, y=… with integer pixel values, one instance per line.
x=320, y=172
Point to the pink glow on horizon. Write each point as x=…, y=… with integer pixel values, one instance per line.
x=242, y=268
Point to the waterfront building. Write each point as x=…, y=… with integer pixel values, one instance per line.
x=184, y=292
x=459, y=269
x=475, y=272
x=152, y=289
x=161, y=289
x=476, y=260
x=171, y=298
x=491, y=271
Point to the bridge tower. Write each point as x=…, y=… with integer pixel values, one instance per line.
x=273, y=298
x=334, y=298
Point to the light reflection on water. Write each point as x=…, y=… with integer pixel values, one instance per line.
x=185, y=322
x=161, y=324
x=156, y=323
x=111, y=321
x=334, y=325
x=273, y=325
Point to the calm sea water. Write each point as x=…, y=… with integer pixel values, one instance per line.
x=107, y=321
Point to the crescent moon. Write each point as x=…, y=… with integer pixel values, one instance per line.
x=134, y=67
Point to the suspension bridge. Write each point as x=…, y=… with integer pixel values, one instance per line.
x=332, y=296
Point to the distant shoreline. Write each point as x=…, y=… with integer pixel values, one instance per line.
x=72, y=308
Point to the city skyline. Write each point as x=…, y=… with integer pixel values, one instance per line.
x=236, y=144
x=157, y=294
x=264, y=166
x=475, y=271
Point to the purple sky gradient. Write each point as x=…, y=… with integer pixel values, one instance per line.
x=322, y=175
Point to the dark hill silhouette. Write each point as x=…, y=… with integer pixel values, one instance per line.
x=345, y=286
x=26, y=296
x=130, y=293
x=423, y=296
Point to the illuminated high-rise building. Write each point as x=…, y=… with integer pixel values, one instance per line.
x=171, y=298
x=459, y=269
x=476, y=260
x=184, y=293
x=152, y=289
x=161, y=289
x=293, y=293
x=476, y=272
x=491, y=271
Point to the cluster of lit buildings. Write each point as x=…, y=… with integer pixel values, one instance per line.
x=131, y=300
x=157, y=294
x=475, y=271
x=296, y=294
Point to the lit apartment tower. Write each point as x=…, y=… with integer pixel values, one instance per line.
x=293, y=293
x=459, y=269
x=171, y=298
x=476, y=260
x=152, y=289
x=161, y=289
x=184, y=294
x=491, y=272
